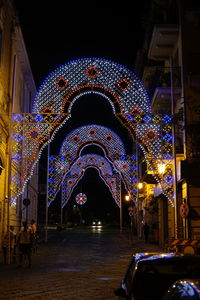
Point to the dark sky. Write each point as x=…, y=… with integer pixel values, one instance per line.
x=58, y=31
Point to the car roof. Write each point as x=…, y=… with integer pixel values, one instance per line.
x=142, y=255
x=153, y=256
x=172, y=257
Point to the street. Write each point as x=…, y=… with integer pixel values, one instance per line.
x=79, y=264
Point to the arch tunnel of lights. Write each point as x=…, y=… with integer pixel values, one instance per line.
x=67, y=168
x=31, y=132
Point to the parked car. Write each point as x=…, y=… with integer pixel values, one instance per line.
x=184, y=290
x=149, y=275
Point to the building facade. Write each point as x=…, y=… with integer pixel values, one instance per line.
x=171, y=75
x=17, y=91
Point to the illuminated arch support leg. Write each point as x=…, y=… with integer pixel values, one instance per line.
x=128, y=170
x=156, y=143
x=30, y=134
x=58, y=167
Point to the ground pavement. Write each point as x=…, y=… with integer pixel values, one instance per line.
x=74, y=264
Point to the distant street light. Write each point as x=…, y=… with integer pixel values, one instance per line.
x=140, y=185
x=161, y=168
x=127, y=198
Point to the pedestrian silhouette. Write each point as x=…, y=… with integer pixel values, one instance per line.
x=9, y=243
x=35, y=237
x=24, y=241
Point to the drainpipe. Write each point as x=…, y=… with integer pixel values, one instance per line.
x=9, y=156
x=138, y=176
x=181, y=6
x=47, y=185
x=8, y=191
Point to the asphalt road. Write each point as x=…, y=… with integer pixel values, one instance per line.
x=77, y=264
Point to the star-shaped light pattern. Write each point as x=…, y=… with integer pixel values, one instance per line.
x=81, y=198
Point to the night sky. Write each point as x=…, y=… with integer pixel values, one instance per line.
x=56, y=32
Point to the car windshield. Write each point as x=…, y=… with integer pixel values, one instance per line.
x=153, y=278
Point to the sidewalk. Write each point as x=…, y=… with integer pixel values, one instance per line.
x=140, y=246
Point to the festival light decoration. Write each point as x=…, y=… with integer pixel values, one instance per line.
x=105, y=169
x=92, y=72
x=31, y=132
x=98, y=134
x=111, y=173
x=81, y=198
x=73, y=145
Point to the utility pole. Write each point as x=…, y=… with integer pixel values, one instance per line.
x=46, y=215
x=61, y=209
x=121, y=211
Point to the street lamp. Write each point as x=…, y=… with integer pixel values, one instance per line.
x=161, y=168
x=127, y=198
x=140, y=185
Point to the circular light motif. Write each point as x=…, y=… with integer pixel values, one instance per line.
x=34, y=134
x=123, y=84
x=92, y=72
x=92, y=132
x=62, y=83
x=75, y=138
x=151, y=135
x=81, y=198
x=109, y=138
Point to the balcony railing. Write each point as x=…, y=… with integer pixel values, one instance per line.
x=158, y=77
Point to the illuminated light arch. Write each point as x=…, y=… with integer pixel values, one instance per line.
x=80, y=137
x=52, y=109
x=93, y=92
x=105, y=170
x=124, y=169
x=111, y=78
x=72, y=147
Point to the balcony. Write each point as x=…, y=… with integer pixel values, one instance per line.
x=157, y=81
x=163, y=42
x=162, y=98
